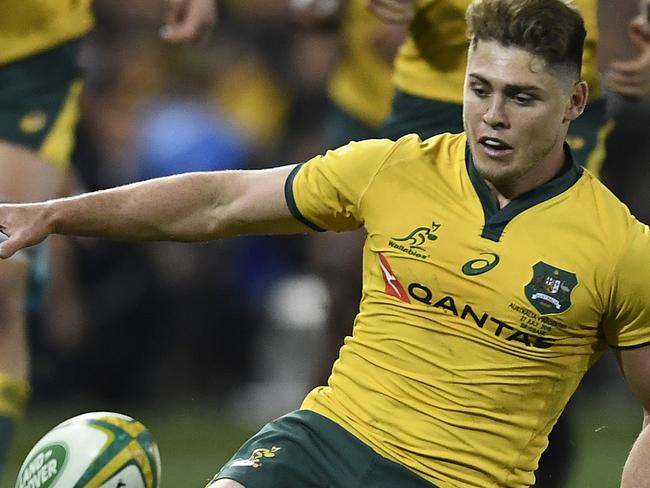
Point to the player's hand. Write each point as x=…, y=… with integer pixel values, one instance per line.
x=395, y=11
x=188, y=20
x=22, y=226
x=631, y=78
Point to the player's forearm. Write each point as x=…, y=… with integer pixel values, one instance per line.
x=636, y=472
x=189, y=207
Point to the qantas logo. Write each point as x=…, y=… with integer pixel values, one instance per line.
x=393, y=286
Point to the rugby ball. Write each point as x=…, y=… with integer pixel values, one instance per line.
x=93, y=450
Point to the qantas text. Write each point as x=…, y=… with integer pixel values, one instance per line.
x=499, y=328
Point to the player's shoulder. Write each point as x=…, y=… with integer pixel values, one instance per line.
x=601, y=199
x=377, y=156
x=613, y=215
x=439, y=148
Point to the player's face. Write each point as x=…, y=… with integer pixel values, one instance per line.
x=516, y=114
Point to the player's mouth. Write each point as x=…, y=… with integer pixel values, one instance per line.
x=494, y=147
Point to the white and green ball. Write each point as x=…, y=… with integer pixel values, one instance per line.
x=93, y=450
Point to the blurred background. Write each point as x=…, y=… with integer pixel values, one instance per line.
x=206, y=342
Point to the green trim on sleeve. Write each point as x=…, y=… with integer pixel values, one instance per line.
x=634, y=346
x=291, y=201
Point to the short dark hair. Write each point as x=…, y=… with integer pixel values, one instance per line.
x=551, y=29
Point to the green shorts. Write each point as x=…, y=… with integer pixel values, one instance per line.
x=306, y=450
x=341, y=128
x=39, y=102
x=411, y=114
x=415, y=115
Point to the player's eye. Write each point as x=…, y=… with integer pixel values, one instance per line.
x=479, y=91
x=523, y=99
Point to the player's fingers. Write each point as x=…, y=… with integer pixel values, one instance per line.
x=641, y=43
x=392, y=17
x=172, y=13
x=22, y=226
x=630, y=67
x=639, y=28
x=192, y=21
x=630, y=77
x=396, y=11
x=8, y=246
x=628, y=90
x=175, y=27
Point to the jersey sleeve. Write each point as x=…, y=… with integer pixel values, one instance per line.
x=326, y=192
x=628, y=323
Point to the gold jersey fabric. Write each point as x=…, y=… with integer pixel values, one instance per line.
x=476, y=324
x=30, y=26
x=361, y=83
x=431, y=62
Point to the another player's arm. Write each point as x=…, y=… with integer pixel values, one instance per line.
x=635, y=365
x=188, y=207
x=631, y=78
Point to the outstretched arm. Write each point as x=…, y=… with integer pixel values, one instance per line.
x=635, y=365
x=187, y=207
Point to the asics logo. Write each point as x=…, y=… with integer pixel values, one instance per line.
x=481, y=265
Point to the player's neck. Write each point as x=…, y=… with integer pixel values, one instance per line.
x=556, y=164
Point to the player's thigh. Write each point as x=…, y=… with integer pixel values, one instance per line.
x=26, y=177
x=299, y=450
x=14, y=276
x=13, y=338
x=38, y=115
x=306, y=450
x=225, y=483
x=39, y=109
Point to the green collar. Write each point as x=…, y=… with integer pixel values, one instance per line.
x=496, y=219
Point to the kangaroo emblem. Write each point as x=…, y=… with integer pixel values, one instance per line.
x=255, y=460
x=420, y=235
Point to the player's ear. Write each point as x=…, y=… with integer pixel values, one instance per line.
x=577, y=101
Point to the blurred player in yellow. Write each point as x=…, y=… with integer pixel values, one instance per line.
x=430, y=66
x=360, y=91
x=489, y=286
x=41, y=85
x=360, y=86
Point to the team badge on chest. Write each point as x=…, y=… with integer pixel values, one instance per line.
x=549, y=290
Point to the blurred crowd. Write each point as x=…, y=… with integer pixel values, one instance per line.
x=223, y=321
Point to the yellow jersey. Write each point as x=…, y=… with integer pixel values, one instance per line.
x=431, y=62
x=476, y=324
x=361, y=83
x=30, y=26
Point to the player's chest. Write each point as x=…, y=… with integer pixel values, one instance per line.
x=531, y=283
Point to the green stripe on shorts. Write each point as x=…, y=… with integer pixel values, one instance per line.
x=34, y=90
